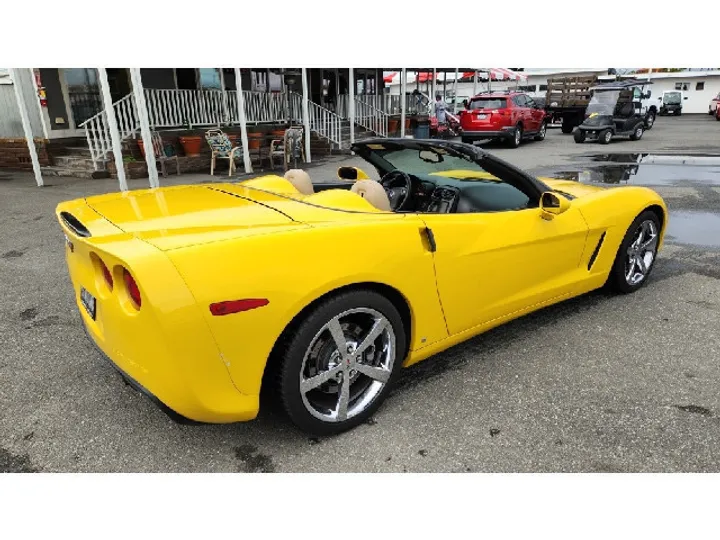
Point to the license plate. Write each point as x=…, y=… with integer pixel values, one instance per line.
x=482, y=116
x=88, y=301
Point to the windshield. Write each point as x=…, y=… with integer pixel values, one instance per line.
x=489, y=103
x=430, y=161
x=672, y=98
x=603, y=102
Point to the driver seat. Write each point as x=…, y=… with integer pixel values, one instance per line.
x=300, y=181
x=373, y=192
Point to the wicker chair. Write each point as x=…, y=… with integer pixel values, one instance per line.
x=161, y=154
x=289, y=148
x=222, y=148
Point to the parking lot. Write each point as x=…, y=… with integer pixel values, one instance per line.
x=597, y=384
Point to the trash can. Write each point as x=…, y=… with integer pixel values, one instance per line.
x=422, y=130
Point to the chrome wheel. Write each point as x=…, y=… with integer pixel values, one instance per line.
x=347, y=365
x=518, y=136
x=638, y=133
x=650, y=120
x=641, y=253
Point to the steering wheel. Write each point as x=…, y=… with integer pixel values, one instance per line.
x=399, y=194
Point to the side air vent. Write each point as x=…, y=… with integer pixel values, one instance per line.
x=74, y=224
x=597, y=250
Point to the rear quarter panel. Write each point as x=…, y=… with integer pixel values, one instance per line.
x=292, y=269
x=612, y=211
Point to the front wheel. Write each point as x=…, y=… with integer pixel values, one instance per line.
x=336, y=368
x=635, y=258
x=543, y=131
x=605, y=136
x=579, y=136
x=650, y=120
x=638, y=133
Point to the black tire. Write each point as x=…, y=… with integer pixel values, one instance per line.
x=710, y=111
x=717, y=117
x=579, y=136
x=603, y=136
x=542, y=133
x=637, y=132
x=617, y=281
x=517, y=139
x=567, y=127
x=650, y=120
x=679, y=113
x=292, y=351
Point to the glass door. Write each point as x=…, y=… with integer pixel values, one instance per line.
x=83, y=93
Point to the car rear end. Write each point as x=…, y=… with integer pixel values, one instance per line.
x=138, y=311
x=488, y=117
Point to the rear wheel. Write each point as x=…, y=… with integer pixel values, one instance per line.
x=579, y=136
x=635, y=258
x=337, y=366
x=543, y=131
x=605, y=136
x=517, y=137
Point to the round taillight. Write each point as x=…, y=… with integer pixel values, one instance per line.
x=107, y=275
x=132, y=288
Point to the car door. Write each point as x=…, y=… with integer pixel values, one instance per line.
x=536, y=113
x=492, y=264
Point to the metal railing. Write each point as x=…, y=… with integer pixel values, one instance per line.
x=97, y=131
x=324, y=122
x=370, y=117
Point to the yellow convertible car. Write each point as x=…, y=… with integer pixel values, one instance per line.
x=316, y=294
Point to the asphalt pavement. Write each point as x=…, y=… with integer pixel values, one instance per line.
x=600, y=383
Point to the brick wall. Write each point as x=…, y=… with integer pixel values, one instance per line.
x=14, y=153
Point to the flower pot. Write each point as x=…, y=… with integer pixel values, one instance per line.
x=278, y=133
x=393, y=125
x=254, y=140
x=407, y=123
x=191, y=145
x=142, y=147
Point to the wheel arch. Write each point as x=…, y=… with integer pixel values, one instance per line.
x=397, y=298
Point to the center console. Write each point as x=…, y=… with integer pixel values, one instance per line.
x=443, y=200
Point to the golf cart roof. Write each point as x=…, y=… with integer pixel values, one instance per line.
x=620, y=85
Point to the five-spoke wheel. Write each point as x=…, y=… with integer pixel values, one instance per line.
x=636, y=256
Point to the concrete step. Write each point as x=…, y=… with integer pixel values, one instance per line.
x=83, y=151
x=74, y=173
x=74, y=162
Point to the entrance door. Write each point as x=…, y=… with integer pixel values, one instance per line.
x=83, y=93
x=186, y=78
x=119, y=82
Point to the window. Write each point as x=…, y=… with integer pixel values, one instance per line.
x=682, y=86
x=209, y=78
x=488, y=103
x=700, y=86
x=520, y=100
x=543, y=88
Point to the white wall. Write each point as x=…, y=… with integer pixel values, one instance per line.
x=698, y=100
x=10, y=121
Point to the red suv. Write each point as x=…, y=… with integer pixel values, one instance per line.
x=511, y=116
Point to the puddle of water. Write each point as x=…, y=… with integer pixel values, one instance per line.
x=646, y=174
x=648, y=158
x=697, y=228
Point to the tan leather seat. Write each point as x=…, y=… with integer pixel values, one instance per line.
x=300, y=180
x=373, y=192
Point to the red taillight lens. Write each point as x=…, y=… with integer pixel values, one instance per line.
x=132, y=288
x=236, y=306
x=107, y=275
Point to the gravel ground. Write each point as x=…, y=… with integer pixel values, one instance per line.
x=597, y=384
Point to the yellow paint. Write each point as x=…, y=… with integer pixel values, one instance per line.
x=190, y=246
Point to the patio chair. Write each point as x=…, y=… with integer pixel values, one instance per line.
x=160, y=150
x=289, y=148
x=222, y=148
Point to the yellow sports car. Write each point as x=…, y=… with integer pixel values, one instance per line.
x=316, y=294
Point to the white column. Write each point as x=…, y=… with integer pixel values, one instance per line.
x=226, y=111
x=145, y=133
x=475, y=83
x=243, y=123
x=351, y=104
x=112, y=124
x=455, y=91
x=403, y=101
x=306, y=113
x=434, y=85
x=27, y=127
x=39, y=105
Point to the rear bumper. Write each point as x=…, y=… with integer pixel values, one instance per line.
x=504, y=133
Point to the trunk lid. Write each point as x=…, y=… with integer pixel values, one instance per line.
x=174, y=217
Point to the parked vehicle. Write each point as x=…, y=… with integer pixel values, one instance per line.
x=612, y=112
x=509, y=116
x=567, y=98
x=712, y=109
x=671, y=102
x=450, y=243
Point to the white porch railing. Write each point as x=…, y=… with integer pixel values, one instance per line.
x=323, y=121
x=370, y=117
x=97, y=131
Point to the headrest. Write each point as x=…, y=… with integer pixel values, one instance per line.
x=373, y=192
x=300, y=180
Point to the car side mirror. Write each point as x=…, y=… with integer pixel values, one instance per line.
x=685, y=98
x=351, y=173
x=553, y=204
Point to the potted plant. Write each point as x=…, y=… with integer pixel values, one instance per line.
x=192, y=144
